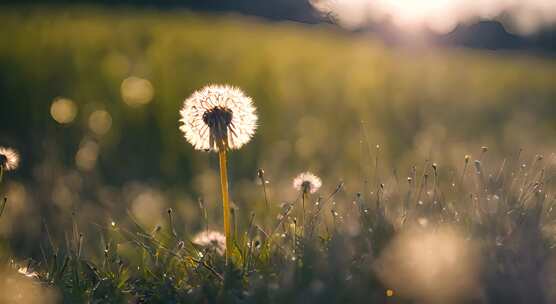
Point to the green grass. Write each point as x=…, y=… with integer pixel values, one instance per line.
x=456, y=232
x=475, y=237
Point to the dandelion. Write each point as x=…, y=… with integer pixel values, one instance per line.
x=211, y=239
x=218, y=118
x=9, y=160
x=306, y=183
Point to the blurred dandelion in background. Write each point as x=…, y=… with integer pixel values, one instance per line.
x=9, y=159
x=218, y=118
x=136, y=91
x=211, y=239
x=100, y=122
x=63, y=110
x=307, y=182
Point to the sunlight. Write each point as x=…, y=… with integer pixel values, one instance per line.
x=440, y=16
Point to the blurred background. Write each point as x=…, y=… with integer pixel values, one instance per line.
x=90, y=93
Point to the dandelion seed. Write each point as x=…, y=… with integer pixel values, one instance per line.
x=9, y=159
x=307, y=182
x=217, y=117
x=211, y=239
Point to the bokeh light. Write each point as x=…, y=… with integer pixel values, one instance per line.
x=441, y=16
x=136, y=91
x=100, y=122
x=437, y=265
x=86, y=157
x=63, y=110
x=17, y=287
x=148, y=205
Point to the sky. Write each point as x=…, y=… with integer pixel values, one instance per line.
x=442, y=16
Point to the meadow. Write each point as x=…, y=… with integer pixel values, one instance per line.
x=437, y=165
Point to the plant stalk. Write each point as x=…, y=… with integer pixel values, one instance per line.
x=225, y=201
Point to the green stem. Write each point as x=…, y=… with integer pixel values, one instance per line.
x=303, y=212
x=225, y=201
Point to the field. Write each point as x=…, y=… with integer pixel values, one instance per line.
x=437, y=165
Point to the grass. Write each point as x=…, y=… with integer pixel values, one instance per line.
x=410, y=221
x=474, y=236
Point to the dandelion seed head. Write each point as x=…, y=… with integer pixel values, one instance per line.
x=307, y=182
x=9, y=159
x=211, y=239
x=218, y=116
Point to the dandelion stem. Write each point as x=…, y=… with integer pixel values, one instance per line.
x=225, y=200
x=3, y=205
x=303, y=211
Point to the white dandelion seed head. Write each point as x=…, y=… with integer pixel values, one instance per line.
x=9, y=159
x=218, y=116
x=211, y=239
x=307, y=182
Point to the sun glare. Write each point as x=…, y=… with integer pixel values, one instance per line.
x=441, y=16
